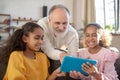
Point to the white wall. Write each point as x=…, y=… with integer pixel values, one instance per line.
x=33, y=9
x=30, y=8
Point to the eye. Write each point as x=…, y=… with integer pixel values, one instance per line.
x=42, y=37
x=65, y=23
x=37, y=38
x=57, y=23
x=94, y=35
x=86, y=35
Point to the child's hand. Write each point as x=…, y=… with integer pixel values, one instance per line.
x=62, y=55
x=55, y=74
x=90, y=69
x=75, y=75
x=59, y=73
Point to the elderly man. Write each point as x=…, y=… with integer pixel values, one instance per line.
x=60, y=38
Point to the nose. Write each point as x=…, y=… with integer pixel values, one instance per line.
x=40, y=41
x=91, y=37
x=61, y=27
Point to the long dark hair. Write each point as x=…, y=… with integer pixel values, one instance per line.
x=15, y=42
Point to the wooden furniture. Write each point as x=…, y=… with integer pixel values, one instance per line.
x=19, y=19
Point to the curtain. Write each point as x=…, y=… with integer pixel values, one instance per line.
x=89, y=11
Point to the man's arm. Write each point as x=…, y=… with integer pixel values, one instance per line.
x=51, y=52
x=73, y=45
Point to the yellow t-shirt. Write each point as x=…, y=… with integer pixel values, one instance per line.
x=22, y=68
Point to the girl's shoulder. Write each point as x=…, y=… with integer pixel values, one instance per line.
x=43, y=57
x=109, y=51
x=108, y=54
x=17, y=53
x=16, y=56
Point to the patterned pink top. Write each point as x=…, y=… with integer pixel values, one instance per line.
x=106, y=59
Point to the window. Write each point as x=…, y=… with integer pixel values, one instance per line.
x=107, y=14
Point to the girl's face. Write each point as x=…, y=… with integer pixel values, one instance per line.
x=34, y=39
x=92, y=37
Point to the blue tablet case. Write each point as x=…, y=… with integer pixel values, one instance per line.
x=75, y=64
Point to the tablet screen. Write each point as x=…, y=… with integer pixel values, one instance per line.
x=75, y=64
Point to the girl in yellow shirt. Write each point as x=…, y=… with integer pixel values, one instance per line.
x=26, y=62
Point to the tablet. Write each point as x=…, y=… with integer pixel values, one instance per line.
x=75, y=64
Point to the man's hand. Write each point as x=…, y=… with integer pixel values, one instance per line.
x=62, y=56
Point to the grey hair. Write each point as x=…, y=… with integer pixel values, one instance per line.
x=58, y=6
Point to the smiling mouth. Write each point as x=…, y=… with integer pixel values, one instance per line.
x=91, y=43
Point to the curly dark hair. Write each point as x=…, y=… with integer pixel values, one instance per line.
x=106, y=37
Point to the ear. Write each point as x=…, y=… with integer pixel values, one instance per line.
x=49, y=18
x=24, y=38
